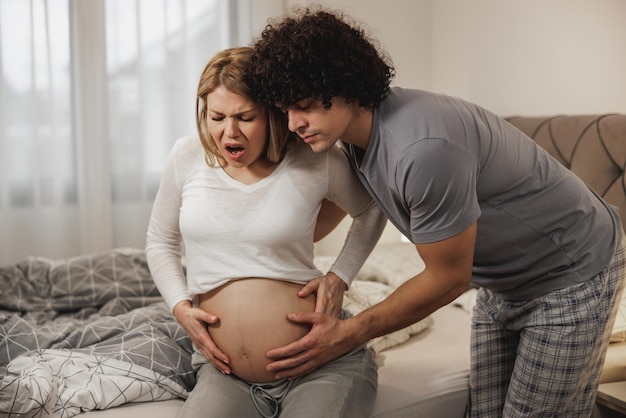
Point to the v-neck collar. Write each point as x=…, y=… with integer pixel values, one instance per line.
x=222, y=174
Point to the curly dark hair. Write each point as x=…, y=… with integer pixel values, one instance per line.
x=318, y=54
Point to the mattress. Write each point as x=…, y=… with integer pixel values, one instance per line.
x=425, y=377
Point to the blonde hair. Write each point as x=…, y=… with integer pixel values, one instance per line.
x=228, y=69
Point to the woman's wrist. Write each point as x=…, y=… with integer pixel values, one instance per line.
x=182, y=305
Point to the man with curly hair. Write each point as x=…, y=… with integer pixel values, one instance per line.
x=481, y=202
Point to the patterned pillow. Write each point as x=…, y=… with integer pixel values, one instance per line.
x=88, y=281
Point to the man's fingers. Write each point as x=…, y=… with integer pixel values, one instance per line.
x=309, y=288
x=304, y=317
x=293, y=366
x=296, y=372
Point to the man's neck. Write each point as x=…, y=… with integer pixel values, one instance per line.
x=360, y=129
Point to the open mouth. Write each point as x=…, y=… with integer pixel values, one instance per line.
x=234, y=150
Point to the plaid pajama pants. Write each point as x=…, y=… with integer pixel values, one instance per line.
x=543, y=358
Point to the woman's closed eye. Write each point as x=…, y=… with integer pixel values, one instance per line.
x=240, y=118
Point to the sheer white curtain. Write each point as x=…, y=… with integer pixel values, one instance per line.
x=93, y=93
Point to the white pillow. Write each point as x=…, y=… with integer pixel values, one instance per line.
x=368, y=272
x=391, y=263
x=388, y=266
x=394, y=262
x=363, y=294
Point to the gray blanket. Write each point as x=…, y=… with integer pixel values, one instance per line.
x=91, y=332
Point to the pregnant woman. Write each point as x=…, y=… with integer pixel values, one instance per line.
x=246, y=200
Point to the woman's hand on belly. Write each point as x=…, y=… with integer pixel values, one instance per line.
x=195, y=321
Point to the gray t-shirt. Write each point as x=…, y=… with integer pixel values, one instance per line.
x=436, y=164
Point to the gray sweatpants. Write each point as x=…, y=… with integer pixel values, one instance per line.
x=344, y=388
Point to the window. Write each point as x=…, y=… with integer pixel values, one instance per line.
x=93, y=94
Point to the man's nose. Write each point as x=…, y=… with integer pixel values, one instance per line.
x=296, y=121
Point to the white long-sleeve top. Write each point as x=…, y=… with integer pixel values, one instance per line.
x=232, y=230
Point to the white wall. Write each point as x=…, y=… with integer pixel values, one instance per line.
x=532, y=57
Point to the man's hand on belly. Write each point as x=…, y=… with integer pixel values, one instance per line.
x=324, y=343
x=328, y=290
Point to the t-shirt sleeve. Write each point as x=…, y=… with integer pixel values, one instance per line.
x=163, y=243
x=437, y=180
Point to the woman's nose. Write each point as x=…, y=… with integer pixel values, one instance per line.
x=232, y=128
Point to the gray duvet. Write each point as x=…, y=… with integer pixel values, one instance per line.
x=86, y=333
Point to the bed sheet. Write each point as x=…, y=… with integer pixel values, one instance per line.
x=427, y=377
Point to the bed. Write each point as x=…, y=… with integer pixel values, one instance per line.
x=91, y=333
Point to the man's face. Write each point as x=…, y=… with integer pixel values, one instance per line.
x=320, y=126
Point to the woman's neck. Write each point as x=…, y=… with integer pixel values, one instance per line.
x=251, y=173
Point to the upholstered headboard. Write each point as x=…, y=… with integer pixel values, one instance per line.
x=592, y=146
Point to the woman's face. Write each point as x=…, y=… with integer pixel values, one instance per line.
x=238, y=127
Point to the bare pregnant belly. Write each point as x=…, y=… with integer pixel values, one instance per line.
x=253, y=320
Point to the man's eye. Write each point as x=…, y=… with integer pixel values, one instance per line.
x=304, y=105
